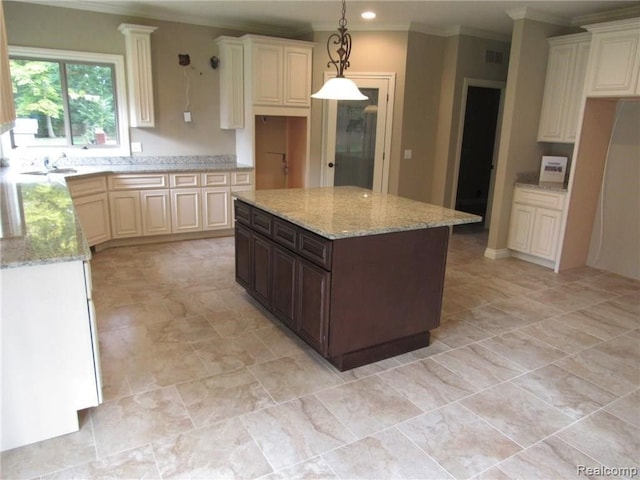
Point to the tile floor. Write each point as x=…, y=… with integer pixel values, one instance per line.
x=530, y=375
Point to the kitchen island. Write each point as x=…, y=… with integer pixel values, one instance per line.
x=358, y=275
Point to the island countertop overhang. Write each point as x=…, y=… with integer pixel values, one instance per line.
x=343, y=212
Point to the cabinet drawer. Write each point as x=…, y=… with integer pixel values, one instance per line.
x=129, y=181
x=215, y=179
x=242, y=178
x=87, y=186
x=261, y=222
x=178, y=180
x=242, y=212
x=285, y=233
x=315, y=248
x=539, y=198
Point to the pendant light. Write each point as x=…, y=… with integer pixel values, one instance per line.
x=340, y=88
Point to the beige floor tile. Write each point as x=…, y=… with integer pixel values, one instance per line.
x=613, y=365
x=221, y=355
x=605, y=320
x=137, y=420
x=605, y=438
x=572, y=296
x=290, y=377
x=627, y=408
x=280, y=341
x=530, y=310
x=557, y=333
x=613, y=283
x=366, y=370
x=459, y=440
x=427, y=384
x=296, y=431
x=231, y=323
x=517, y=413
x=492, y=319
x=368, y=405
x=50, y=455
x=457, y=333
x=479, y=365
x=136, y=314
x=435, y=347
x=210, y=400
x=181, y=330
x=221, y=451
x=316, y=469
x=387, y=455
x=550, y=459
x=136, y=463
x=570, y=394
x=523, y=349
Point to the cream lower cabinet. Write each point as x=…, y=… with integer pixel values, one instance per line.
x=216, y=208
x=534, y=230
x=50, y=358
x=125, y=214
x=91, y=202
x=186, y=210
x=155, y=215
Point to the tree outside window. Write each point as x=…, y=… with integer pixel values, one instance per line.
x=64, y=103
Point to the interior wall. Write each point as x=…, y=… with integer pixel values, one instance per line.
x=465, y=59
x=519, y=150
x=615, y=239
x=373, y=52
x=71, y=29
x=425, y=58
x=270, y=146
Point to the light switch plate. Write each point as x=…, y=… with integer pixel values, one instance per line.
x=187, y=116
x=408, y=154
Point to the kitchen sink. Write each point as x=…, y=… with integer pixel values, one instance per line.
x=53, y=170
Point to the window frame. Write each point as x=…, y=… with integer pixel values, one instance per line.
x=120, y=87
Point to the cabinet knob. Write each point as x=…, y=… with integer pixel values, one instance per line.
x=330, y=164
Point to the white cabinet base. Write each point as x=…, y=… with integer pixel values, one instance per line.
x=533, y=259
x=48, y=369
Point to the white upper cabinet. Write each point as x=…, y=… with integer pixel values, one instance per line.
x=231, y=54
x=139, y=76
x=280, y=71
x=564, y=85
x=614, y=61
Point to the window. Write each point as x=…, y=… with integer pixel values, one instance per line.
x=68, y=100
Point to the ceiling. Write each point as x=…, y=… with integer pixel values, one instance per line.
x=295, y=17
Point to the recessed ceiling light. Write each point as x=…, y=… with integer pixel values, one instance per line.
x=368, y=15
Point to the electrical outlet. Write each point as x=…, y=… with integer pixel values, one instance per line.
x=187, y=117
x=136, y=147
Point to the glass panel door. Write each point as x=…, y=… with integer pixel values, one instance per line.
x=356, y=140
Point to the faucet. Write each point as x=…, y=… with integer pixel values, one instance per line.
x=49, y=165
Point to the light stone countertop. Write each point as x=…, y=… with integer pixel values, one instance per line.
x=39, y=224
x=342, y=212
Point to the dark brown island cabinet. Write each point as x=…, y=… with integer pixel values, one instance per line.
x=354, y=299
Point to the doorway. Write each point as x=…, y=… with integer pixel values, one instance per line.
x=357, y=135
x=478, y=147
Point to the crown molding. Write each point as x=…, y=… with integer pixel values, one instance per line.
x=531, y=14
x=361, y=27
x=478, y=33
x=608, y=16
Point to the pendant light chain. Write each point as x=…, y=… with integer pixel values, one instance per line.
x=342, y=40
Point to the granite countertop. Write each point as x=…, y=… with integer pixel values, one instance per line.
x=531, y=180
x=342, y=212
x=39, y=224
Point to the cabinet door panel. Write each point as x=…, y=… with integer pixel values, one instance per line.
x=216, y=212
x=125, y=214
x=559, y=71
x=614, y=63
x=544, y=238
x=267, y=74
x=520, y=227
x=284, y=284
x=186, y=216
x=243, y=255
x=261, y=255
x=297, y=87
x=93, y=211
x=156, y=213
x=312, y=312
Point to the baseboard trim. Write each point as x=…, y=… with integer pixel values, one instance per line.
x=494, y=254
x=533, y=259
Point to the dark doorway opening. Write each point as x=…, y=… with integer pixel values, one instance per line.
x=476, y=156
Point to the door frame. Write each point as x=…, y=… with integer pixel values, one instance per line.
x=476, y=82
x=329, y=136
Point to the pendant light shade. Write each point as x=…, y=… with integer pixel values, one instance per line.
x=340, y=88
